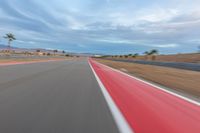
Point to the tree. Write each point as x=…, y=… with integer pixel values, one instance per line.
x=135, y=55
x=55, y=51
x=153, y=52
x=126, y=56
x=38, y=50
x=63, y=52
x=10, y=37
x=146, y=53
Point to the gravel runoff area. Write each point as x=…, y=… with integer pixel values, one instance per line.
x=179, y=65
x=19, y=59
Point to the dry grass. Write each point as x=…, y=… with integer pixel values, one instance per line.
x=190, y=58
x=184, y=81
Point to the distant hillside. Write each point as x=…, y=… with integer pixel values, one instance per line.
x=5, y=46
x=23, y=49
x=2, y=46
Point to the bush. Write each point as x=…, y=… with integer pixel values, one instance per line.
x=126, y=56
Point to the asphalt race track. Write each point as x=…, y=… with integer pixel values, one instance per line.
x=84, y=96
x=52, y=97
x=147, y=107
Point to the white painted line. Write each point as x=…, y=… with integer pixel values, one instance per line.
x=158, y=87
x=121, y=122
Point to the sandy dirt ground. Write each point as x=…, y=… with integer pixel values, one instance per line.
x=183, y=81
x=27, y=60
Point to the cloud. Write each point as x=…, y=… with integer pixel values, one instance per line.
x=103, y=26
x=166, y=45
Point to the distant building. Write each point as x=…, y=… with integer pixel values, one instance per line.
x=97, y=55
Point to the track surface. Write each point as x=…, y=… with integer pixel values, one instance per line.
x=64, y=97
x=52, y=97
x=179, y=65
x=147, y=108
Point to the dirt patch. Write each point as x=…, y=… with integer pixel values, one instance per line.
x=26, y=60
x=184, y=81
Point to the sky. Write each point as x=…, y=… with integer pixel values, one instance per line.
x=103, y=26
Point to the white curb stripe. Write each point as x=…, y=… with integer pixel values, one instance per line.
x=122, y=124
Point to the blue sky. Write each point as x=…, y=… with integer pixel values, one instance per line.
x=103, y=26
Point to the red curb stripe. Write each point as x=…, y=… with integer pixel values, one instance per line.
x=146, y=108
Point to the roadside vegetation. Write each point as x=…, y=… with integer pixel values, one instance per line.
x=147, y=54
x=10, y=37
x=12, y=51
x=10, y=54
x=154, y=55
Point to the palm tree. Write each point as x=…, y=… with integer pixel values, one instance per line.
x=10, y=38
x=55, y=51
x=153, y=52
x=135, y=55
x=146, y=53
x=38, y=50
